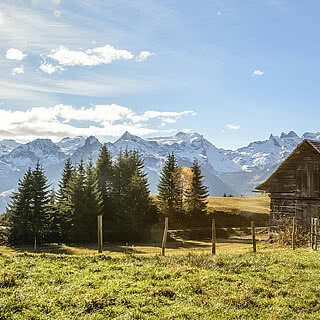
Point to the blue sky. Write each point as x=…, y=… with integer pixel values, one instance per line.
x=234, y=71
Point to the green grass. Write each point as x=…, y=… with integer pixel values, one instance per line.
x=274, y=284
x=234, y=205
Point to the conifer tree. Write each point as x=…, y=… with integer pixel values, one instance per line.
x=64, y=219
x=66, y=176
x=19, y=211
x=104, y=172
x=197, y=194
x=139, y=203
x=169, y=187
x=28, y=213
x=131, y=193
x=39, y=204
x=55, y=225
x=76, y=203
x=93, y=203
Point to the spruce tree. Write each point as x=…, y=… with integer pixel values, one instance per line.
x=139, y=203
x=77, y=203
x=55, y=227
x=197, y=194
x=29, y=214
x=104, y=172
x=93, y=203
x=19, y=211
x=39, y=204
x=134, y=207
x=68, y=170
x=169, y=188
x=65, y=219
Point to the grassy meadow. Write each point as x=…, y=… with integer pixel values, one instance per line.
x=275, y=284
x=250, y=204
x=132, y=281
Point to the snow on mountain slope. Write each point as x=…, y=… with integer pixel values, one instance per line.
x=7, y=145
x=190, y=146
x=186, y=148
x=225, y=171
x=43, y=150
x=89, y=150
x=70, y=145
x=261, y=154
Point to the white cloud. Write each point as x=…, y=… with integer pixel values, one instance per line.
x=17, y=70
x=144, y=55
x=257, y=73
x=57, y=122
x=232, y=126
x=90, y=57
x=148, y=115
x=169, y=120
x=49, y=68
x=15, y=54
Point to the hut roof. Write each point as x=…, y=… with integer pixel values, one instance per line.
x=314, y=144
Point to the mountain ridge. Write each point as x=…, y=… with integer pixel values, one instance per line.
x=225, y=171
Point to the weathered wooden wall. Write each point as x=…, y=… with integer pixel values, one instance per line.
x=295, y=188
x=299, y=174
x=285, y=208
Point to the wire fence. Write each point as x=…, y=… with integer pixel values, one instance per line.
x=288, y=232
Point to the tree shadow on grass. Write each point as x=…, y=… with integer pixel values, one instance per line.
x=43, y=248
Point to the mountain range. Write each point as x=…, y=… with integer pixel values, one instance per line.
x=235, y=172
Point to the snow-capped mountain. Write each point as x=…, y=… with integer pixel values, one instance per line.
x=43, y=150
x=7, y=146
x=225, y=171
x=70, y=145
x=260, y=154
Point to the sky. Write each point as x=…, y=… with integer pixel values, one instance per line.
x=234, y=71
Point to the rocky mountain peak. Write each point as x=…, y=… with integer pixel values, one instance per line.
x=291, y=134
x=91, y=140
x=127, y=136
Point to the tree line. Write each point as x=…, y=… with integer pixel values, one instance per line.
x=118, y=190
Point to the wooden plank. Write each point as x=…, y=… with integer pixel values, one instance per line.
x=253, y=231
x=213, y=237
x=164, y=239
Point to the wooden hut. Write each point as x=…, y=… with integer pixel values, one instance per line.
x=294, y=188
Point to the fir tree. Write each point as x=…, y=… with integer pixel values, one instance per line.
x=76, y=203
x=139, y=203
x=19, y=211
x=104, y=172
x=39, y=204
x=169, y=187
x=55, y=225
x=64, y=218
x=66, y=176
x=131, y=193
x=93, y=203
x=197, y=194
x=28, y=213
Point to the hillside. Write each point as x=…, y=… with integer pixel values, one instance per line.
x=253, y=204
x=235, y=172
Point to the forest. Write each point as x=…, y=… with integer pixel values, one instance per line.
x=118, y=190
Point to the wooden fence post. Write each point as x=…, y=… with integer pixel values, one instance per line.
x=164, y=239
x=316, y=234
x=293, y=233
x=253, y=231
x=99, y=234
x=311, y=232
x=214, y=235
x=35, y=243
